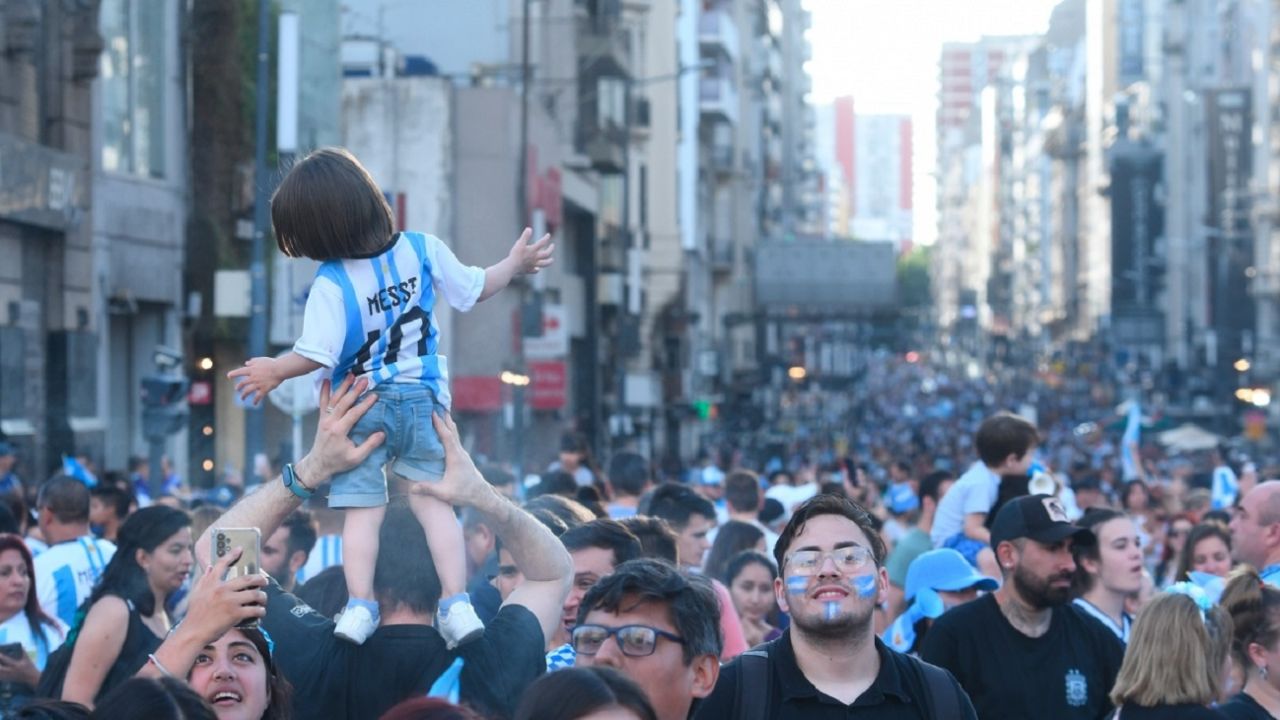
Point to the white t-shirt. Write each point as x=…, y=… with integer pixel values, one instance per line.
x=67, y=572
x=326, y=554
x=374, y=317
x=791, y=495
x=17, y=630
x=974, y=492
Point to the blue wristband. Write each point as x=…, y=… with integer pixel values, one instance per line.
x=294, y=484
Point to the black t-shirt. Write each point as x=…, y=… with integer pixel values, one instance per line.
x=1067, y=673
x=898, y=693
x=1169, y=712
x=1243, y=707
x=333, y=678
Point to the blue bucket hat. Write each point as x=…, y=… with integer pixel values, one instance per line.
x=942, y=569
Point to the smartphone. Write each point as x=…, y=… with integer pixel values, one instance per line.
x=13, y=650
x=250, y=540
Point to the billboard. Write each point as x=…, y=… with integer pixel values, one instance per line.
x=827, y=275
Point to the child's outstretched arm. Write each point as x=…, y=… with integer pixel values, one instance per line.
x=524, y=259
x=261, y=375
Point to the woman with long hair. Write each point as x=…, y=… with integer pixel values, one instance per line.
x=1207, y=550
x=1175, y=539
x=232, y=668
x=1109, y=570
x=124, y=619
x=732, y=538
x=1255, y=616
x=750, y=577
x=1175, y=665
x=23, y=623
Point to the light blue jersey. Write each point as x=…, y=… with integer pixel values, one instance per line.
x=67, y=572
x=373, y=317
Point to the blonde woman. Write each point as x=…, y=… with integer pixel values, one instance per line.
x=1176, y=662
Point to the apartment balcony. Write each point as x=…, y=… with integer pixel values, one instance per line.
x=718, y=33
x=603, y=147
x=723, y=251
x=718, y=99
x=604, y=47
x=721, y=160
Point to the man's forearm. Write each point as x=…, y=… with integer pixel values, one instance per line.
x=539, y=554
x=265, y=509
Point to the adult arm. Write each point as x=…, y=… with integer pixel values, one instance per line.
x=523, y=259
x=331, y=453
x=97, y=649
x=540, y=556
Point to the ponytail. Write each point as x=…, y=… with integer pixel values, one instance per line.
x=1255, y=612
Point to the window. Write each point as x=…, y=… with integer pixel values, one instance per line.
x=133, y=90
x=611, y=102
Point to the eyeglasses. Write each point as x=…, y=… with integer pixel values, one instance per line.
x=633, y=640
x=847, y=559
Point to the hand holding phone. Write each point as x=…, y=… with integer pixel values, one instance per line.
x=249, y=540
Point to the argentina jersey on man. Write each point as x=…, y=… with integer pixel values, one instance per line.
x=373, y=316
x=67, y=572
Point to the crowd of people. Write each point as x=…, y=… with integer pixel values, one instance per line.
x=809, y=591
x=936, y=542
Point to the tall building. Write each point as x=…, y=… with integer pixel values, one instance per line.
x=53, y=321
x=869, y=176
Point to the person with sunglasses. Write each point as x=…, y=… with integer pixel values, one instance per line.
x=829, y=662
x=659, y=627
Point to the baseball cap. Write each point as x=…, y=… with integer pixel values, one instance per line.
x=942, y=569
x=900, y=499
x=1042, y=518
x=711, y=475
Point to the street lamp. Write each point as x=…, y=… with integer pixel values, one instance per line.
x=1242, y=365
x=797, y=372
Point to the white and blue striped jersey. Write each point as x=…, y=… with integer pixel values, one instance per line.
x=326, y=554
x=372, y=317
x=67, y=572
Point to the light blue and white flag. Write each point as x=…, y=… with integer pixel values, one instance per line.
x=1129, y=443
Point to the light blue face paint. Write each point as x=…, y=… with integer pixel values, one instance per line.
x=833, y=608
x=797, y=584
x=865, y=585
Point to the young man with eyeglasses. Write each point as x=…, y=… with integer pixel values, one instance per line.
x=829, y=663
x=656, y=625
x=597, y=547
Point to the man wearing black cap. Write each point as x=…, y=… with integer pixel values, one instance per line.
x=1025, y=651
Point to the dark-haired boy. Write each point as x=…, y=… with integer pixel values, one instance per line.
x=1006, y=444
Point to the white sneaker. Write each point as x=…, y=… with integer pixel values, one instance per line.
x=356, y=624
x=460, y=625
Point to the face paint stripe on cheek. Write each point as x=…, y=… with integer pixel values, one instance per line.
x=796, y=584
x=865, y=585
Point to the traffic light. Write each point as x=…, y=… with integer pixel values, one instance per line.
x=164, y=406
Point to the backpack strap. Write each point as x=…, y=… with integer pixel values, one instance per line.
x=944, y=694
x=752, y=699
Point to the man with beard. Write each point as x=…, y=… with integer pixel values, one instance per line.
x=829, y=663
x=1025, y=651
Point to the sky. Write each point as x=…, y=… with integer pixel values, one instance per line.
x=885, y=54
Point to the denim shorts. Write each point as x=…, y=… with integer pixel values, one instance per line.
x=411, y=450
